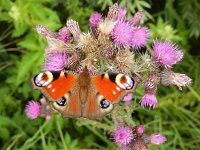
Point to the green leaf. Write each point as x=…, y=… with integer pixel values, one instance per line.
x=25, y=66
x=5, y=134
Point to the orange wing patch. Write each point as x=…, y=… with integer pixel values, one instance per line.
x=111, y=91
x=59, y=87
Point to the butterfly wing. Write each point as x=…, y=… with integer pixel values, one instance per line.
x=106, y=90
x=113, y=87
x=60, y=88
x=70, y=105
x=96, y=107
x=54, y=84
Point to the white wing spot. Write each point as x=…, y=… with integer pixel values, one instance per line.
x=49, y=86
x=118, y=89
x=53, y=90
x=114, y=92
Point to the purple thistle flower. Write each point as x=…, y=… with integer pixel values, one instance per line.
x=123, y=135
x=55, y=61
x=157, y=138
x=32, y=109
x=149, y=99
x=166, y=53
x=137, y=18
x=48, y=117
x=122, y=33
x=121, y=13
x=150, y=86
x=45, y=108
x=94, y=20
x=64, y=35
x=140, y=37
x=128, y=97
x=139, y=129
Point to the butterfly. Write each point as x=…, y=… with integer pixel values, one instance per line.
x=83, y=95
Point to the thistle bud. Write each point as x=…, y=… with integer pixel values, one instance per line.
x=113, y=12
x=74, y=29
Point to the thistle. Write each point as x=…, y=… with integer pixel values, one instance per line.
x=150, y=86
x=35, y=109
x=123, y=136
x=166, y=53
x=136, y=138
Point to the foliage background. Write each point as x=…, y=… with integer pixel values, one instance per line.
x=21, y=54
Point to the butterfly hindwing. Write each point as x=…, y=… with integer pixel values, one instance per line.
x=69, y=105
x=54, y=84
x=96, y=106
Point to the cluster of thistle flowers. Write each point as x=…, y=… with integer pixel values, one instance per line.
x=113, y=44
x=136, y=139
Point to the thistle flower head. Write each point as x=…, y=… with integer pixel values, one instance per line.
x=128, y=97
x=74, y=28
x=87, y=43
x=94, y=20
x=149, y=99
x=140, y=37
x=139, y=129
x=166, y=53
x=122, y=33
x=32, y=109
x=45, y=108
x=104, y=31
x=73, y=60
x=106, y=26
x=45, y=32
x=123, y=135
x=109, y=52
x=55, y=61
x=122, y=13
x=137, y=18
x=157, y=138
x=124, y=61
x=113, y=12
x=150, y=86
x=48, y=117
x=168, y=77
x=138, y=144
x=64, y=35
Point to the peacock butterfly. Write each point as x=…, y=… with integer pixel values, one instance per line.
x=83, y=95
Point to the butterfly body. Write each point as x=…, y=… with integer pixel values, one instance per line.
x=83, y=95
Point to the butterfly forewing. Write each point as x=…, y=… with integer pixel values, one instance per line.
x=54, y=84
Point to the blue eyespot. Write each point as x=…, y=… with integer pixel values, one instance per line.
x=61, y=101
x=104, y=103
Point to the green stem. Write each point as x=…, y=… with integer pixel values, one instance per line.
x=194, y=92
x=61, y=135
x=34, y=137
